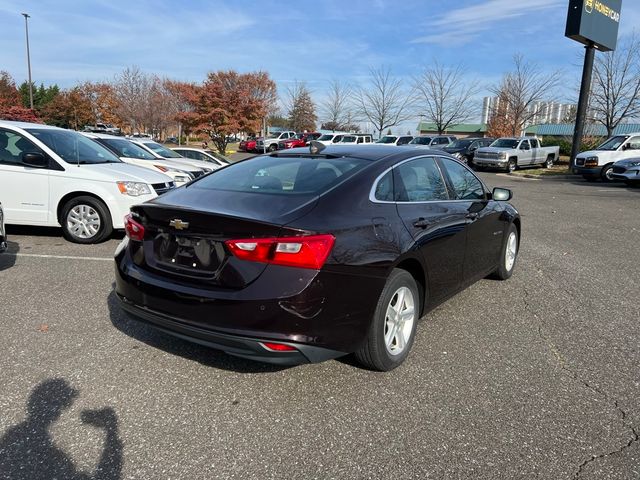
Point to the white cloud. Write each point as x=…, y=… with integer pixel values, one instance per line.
x=462, y=25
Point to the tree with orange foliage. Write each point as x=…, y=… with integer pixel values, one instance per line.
x=230, y=102
x=10, y=104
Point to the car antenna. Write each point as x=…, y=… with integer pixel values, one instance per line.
x=316, y=147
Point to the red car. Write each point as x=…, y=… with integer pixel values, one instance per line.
x=300, y=140
x=248, y=145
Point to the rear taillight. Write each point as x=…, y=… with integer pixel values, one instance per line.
x=135, y=230
x=303, y=252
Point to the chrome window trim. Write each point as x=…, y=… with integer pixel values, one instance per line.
x=372, y=192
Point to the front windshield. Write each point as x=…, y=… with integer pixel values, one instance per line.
x=421, y=141
x=274, y=135
x=72, y=147
x=164, y=152
x=387, y=139
x=505, y=143
x=613, y=143
x=125, y=148
x=461, y=144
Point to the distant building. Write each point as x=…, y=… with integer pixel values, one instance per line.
x=543, y=112
x=565, y=130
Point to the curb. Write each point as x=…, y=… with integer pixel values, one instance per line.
x=539, y=177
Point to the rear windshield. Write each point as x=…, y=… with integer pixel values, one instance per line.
x=125, y=148
x=282, y=176
x=73, y=147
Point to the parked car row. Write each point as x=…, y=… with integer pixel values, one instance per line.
x=86, y=182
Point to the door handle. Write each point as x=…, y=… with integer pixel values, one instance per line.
x=421, y=223
x=472, y=216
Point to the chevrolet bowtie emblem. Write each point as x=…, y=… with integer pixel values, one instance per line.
x=178, y=224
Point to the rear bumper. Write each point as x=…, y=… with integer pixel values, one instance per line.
x=322, y=314
x=236, y=345
x=628, y=176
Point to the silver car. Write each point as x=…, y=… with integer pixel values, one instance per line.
x=627, y=170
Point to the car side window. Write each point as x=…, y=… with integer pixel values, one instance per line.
x=419, y=180
x=13, y=146
x=465, y=185
x=633, y=143
x=525, y=145
x=384, y=188
x=534, y=143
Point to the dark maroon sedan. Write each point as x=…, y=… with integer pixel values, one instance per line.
x=301, y=257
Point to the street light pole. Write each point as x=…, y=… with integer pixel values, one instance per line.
x=26, y=29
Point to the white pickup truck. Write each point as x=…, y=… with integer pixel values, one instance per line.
x=513, y=153
x=598, y=163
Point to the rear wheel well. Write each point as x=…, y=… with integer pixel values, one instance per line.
x=414, y=268
x=69, y=196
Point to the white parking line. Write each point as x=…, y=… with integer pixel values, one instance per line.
x=60, y=257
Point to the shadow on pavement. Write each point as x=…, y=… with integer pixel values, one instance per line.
x=31, y=231
x=155, y=338
x=27, y=451
x=8, y=258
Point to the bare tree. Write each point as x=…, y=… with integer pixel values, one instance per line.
x=446, y=96
x=300, y=108
x=615, y=92
x=520, y=90
x=336, y=109
x=132, y=88
x=383, y=102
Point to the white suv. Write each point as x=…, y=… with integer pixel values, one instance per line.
x=271, y=143
x=55, y=177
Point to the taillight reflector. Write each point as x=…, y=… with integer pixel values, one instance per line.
x=278, y=347
x=134, y=230
x=302, y=252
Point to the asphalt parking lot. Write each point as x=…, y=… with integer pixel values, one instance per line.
x=537, y=377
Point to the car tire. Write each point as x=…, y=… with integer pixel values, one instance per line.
x=508, y=255
x=512, y=165
x=383, y=350
x=548, y=163
x=86, y=220
x=606, y=173
x=272, y=148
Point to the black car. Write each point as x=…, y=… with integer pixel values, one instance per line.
x=299, y=257
x=3, y=235
x=465, y=148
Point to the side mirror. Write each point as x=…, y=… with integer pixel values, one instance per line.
x=502, y=194
x=35, y=160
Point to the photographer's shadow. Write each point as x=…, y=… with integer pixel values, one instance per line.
x=27, y=451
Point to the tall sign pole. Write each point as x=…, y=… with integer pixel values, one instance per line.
x=595, y=24
x=583, y=101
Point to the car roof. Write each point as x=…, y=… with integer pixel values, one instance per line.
x=102, y=135
x=27, y=125
x=364, y=152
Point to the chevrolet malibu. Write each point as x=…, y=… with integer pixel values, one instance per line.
x=312, y=254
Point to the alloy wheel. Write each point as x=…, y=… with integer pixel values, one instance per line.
x=399, y=320
x=511, y=251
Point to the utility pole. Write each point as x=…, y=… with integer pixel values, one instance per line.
x=26, y=29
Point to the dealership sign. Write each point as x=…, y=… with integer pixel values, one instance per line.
x=594, y=22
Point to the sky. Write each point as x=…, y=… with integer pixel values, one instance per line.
x=294, y=40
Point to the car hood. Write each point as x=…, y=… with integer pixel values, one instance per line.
x=605, y=155
x=493, y=149
x=454, y=149
x=156, y=161
x=628, y=162
x=114, y=172
x=188, y=164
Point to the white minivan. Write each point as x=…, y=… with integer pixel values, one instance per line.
x=55, y=177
